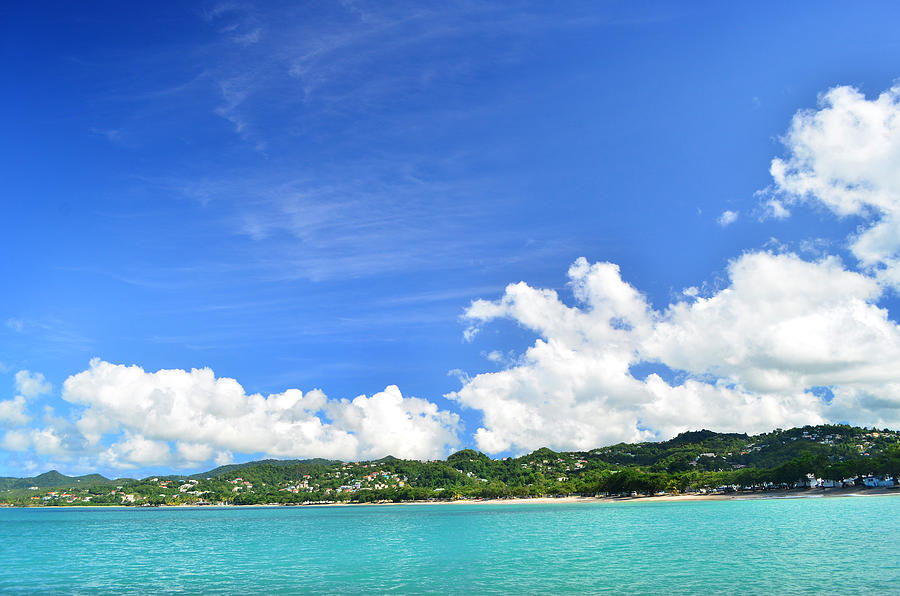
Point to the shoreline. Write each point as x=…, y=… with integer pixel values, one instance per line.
x=808, y=493
x=737, y=496
x=572, y=499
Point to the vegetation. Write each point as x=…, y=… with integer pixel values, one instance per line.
x=692, y=461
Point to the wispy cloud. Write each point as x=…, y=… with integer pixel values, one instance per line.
x=727, y=218
x=344, y=59
x=318, y=226
x=453, y=295
x=51, y=330
x=310, y=95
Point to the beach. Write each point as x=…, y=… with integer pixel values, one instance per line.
x=735, y=496
x=810, y=493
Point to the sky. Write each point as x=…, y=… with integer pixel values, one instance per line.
x=236, y=230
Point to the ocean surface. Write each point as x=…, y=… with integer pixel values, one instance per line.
x=796, y=546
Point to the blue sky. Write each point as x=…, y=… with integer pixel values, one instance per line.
x=311, y=196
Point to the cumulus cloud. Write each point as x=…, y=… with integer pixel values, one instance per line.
x=774, y=209
x=387, y=422
x=783, y=325
x=749, y=355
x=179, y=417
x=727, y=218
x=15, y=440
x=31, y=384
x=49, y=441
x=845, y=155
x=137, y=451
x=12, y=412
x=58, y=438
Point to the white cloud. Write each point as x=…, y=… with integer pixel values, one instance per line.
x=495, y=356
x=774, y=209
x=469, y=334
x=12, y=412
x=751, y=352
x=211, y=418
x=783, y=325
x=61, y=439
x=727, y=218
x=136, y=451
x=223, y=458
x=15, y=440
x=49, y=441
x=388, y=423
x=846, y=156
x=31, y=384
x=194, y=452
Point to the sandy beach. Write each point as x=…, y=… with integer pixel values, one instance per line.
x=738, y=496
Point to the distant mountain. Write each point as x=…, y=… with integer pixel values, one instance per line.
x=54, y=479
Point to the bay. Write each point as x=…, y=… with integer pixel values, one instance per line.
x=799, y=546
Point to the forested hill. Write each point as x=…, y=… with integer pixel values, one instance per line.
x=229, y=468
x=53, y=479
x=690, y=461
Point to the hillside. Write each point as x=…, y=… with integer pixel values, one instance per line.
x=53, y=479
x=691, y=461
x=229, y=468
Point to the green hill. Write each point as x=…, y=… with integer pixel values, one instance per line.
x=53, y=479
x=690, y=461
x=231, y=468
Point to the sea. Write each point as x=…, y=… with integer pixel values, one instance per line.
x=779, y=546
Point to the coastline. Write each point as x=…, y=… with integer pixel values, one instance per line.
x=809, y=493
x=572, y=499
x=738, y=496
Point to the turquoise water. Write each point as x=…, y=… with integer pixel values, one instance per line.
x=844, y=545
